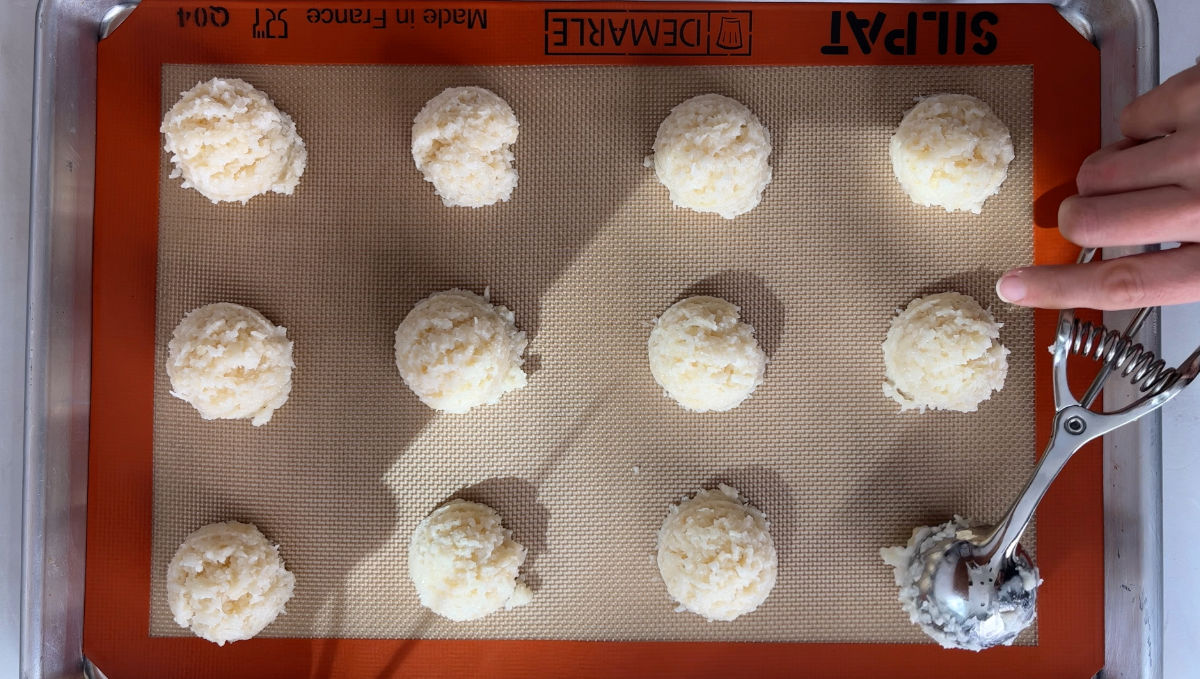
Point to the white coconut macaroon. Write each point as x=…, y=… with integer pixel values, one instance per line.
x=229, y=362
x=464, y=563
x=711, y=152
x=462, y=142
x=229, y=142
x=943, y=352
x=951, y=151
x=455, y=351
x=716, y=555
x=227, y=582
x=704, y=356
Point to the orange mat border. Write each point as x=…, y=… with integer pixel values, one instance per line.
x=117, y=591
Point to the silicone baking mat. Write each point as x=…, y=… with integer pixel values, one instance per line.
x=586, y=253
x=583, y=462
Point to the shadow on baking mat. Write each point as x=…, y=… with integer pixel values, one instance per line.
x=757, y=305
x=769, y=492
x=327, y=651
x=516, y=501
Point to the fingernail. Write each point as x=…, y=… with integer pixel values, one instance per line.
x=1011, y=288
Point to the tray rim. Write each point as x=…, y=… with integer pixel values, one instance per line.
x=58, y=367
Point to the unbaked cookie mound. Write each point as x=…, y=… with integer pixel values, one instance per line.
x=462, y=142
x=703, y=356
x=229, y=142
x=226, y=582
x=464, y=562
x=230, y=363
x=716, y=555
x=951, y=151
x=943, y=352
x=711, y=154
x=455, y=350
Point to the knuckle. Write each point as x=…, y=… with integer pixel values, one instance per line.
x=1123, y=286
x=1059, y=294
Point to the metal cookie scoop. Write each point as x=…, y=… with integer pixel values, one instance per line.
x=977, y=585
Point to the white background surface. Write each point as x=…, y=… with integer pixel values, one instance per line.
x=1179, y=41
x=16, y=116
x=1179, y=22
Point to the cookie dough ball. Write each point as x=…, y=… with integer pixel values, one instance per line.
x=464, y=563
x=716, y=555
x=229, y=142
x=230, y=363
x=456, y=351
x=943, y=352
x=227, y=582
x=711, y=154
x=703, y=356
x=951, y=151
x=462, y=142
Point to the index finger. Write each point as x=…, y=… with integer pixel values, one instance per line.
x=1171, y=106
x=1151, y=279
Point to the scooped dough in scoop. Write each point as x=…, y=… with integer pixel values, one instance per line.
x=1010, y=611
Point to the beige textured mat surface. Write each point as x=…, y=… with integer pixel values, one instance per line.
x=586, y=253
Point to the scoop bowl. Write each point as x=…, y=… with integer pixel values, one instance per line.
x=976, y=602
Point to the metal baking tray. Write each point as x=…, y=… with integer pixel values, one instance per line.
x=59, y=337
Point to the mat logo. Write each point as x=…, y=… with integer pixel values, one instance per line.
x=269, y=23
x=904, y=33
x=717, y=33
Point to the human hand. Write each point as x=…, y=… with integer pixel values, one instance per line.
x=1142, y=190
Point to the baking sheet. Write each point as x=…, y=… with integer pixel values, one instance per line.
x=583, y=462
